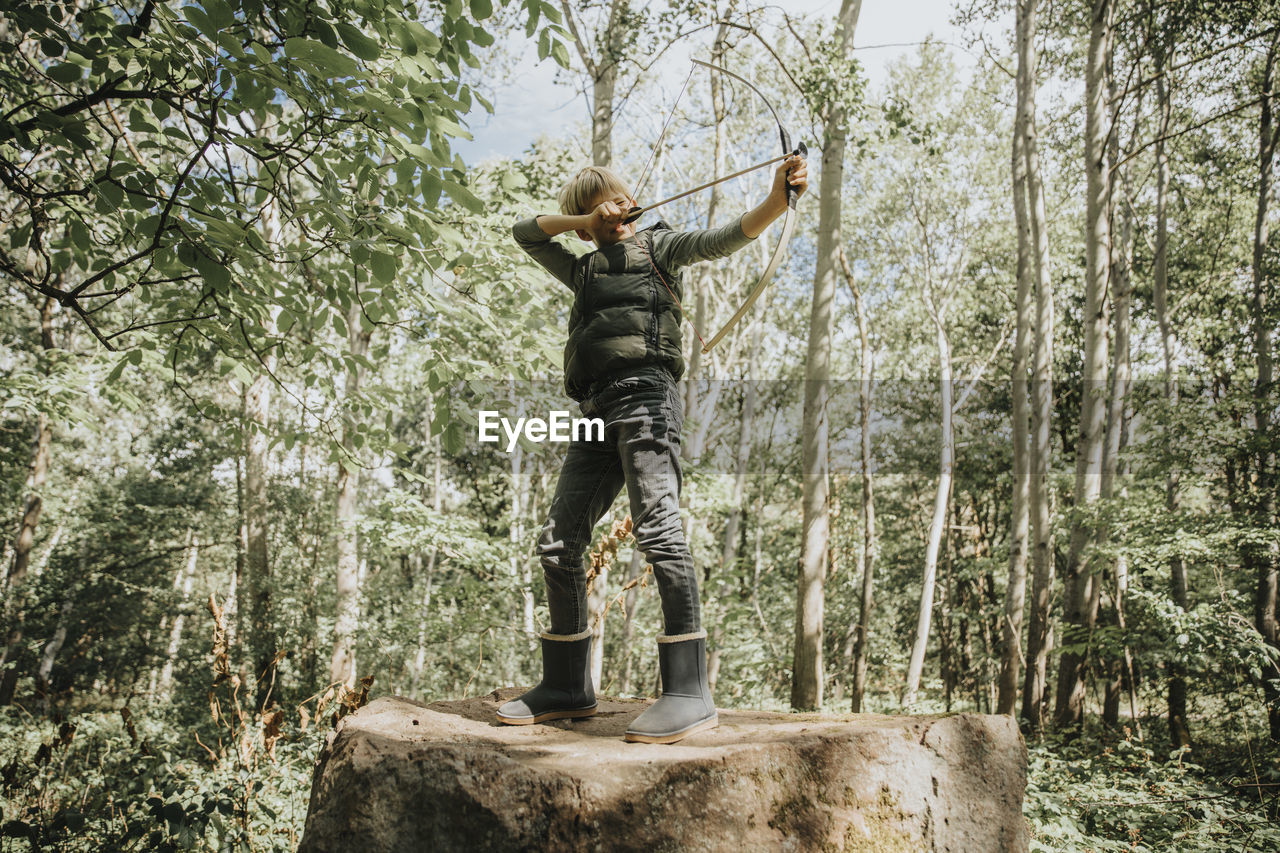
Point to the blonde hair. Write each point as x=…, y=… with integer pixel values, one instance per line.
x=589, y=184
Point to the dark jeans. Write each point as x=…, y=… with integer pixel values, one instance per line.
x=642, y=412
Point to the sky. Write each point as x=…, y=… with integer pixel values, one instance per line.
x=529, y=103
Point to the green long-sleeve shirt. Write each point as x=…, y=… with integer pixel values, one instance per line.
x=671, y=249
x=626, y=297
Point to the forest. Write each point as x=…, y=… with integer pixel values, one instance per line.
x=1000, y=434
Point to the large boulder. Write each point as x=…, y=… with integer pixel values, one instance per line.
x=399, y=775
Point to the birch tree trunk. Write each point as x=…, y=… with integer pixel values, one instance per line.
x=1179, y=732
x=49, y=654
x=183, y=584
x=602, y=67
x=1019, y=524
x=941, y=501
x=807, y=668
x=1080, y=603
x=1039, y=630
x=866, y=376
x=424, y=608
x=1117, y=438
x=24, y=542
x=719, y=110
x=342, y=663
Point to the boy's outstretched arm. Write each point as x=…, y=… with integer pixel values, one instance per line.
x=678, y=249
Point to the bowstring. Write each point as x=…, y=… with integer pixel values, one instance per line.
x=644, y=176
x=684, y=315
x=644, y=173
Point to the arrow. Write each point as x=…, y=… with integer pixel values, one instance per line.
x=636, y=212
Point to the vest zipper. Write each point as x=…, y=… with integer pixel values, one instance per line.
x=653, y=315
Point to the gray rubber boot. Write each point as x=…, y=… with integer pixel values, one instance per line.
x=565, y=690
x=685, y=705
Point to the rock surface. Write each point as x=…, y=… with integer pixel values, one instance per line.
x=399, y=775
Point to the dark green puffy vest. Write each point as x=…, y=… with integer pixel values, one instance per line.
x=623, y=315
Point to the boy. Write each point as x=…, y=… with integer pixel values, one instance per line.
x=621, y=364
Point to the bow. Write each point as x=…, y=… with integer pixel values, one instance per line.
x=788, y=225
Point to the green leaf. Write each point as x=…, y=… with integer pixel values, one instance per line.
x=431, y=187
x=325, y=33
x=67, y=72
x=481, y=9
x=80, y=234
x=357, y=42
x=454, y=438
x=118, y=369
x=383, y=266
x=463, y=196
x=213, y=272
x=560, y=54
x=220, y=13
x=197, y=17
x=321, y=56
x=111, y=192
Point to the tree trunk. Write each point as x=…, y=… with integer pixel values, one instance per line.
x=259, y=636
x=603, y=70
x=937, y=526
x=1262, y=558
x=1020, y=520
x=807, y=668
x=236, y=608
x=1117, y=432
x=866, y=375
x=629, y=603
x=49, y=654
x=346, y=624
x=24, y=542
x=424, y=608
x=183, y=584
x=1039, y=631
x=719, y=111
x=948, y=668
x=1080, y=594
x=737, y=502
x=1179, y=732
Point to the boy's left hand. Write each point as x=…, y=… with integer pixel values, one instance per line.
x=794, y=171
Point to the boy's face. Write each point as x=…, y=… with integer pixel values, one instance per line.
x=611, y=230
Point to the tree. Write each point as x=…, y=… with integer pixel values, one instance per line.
x=1039, y=634
x=1081, y=587
x=835, y=111
x=1015, y=593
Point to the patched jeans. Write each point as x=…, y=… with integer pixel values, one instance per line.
x=642, y=412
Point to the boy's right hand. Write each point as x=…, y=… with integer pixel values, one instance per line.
x=606, y=216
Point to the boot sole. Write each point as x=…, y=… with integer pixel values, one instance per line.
x=548, y=715
x=638, y=737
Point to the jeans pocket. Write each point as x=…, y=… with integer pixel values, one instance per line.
x=674, y=409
